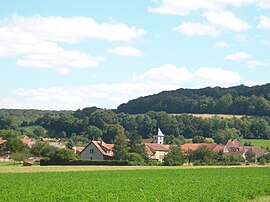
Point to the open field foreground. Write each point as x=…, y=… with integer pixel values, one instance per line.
x=199, y=184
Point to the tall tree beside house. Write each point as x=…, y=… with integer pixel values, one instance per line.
x=120, y=148
x=14, y=145
x=174, y=157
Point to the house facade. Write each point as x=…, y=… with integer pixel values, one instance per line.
x=156, y=149
x=97, y=150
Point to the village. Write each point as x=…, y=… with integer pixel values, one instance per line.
x=154, y=149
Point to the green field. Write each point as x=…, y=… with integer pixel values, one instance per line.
x=256, y=142
x=199, y=184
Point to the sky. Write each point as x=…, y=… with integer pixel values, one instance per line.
x=68, y=55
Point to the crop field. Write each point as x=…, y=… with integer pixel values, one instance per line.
x=201, y=184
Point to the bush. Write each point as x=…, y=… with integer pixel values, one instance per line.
x=135, y=159
x=46, y=162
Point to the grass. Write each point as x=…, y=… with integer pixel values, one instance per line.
x=138, y=184
x=206, y=116
x=256, y=142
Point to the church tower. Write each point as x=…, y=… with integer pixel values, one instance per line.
x=159, y=138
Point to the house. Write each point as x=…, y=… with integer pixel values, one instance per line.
x=97, y=150
x=2, y=142
x=235, y=146
x=156, y=149
x=194, y=146
x=77, y=150
x=55, y=142
x=27, y=141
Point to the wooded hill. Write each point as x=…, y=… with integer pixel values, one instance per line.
x=237, y=100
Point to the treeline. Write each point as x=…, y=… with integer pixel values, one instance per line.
x=93, y=123
x=26, y=117
x=238, y=100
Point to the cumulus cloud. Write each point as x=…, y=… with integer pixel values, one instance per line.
x=226, y=20
x=222, y=44
x=73, y=30
x=126, y=51
x=254, y=63
x=190, y=28
x=264, y=22
x=217, y=76
x=166, y=77
x=183, y=7
x=237, y=56
x=35, y=40
x=264, y=4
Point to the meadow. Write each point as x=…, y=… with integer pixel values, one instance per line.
x=257, y=142
x=173, y=184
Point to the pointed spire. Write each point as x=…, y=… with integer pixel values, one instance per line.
x=160, y=132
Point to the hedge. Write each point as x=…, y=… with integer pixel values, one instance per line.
x=47, y=162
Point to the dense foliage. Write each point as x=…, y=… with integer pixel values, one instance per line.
x=203, y=184
x=94, y=124
x=240, y=100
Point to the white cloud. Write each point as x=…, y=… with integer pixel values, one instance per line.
x=222, y=44
x=217, y=76
x=166, y=77
x=253, y=83
x=254, y=63
x=237, y=56
x=73, y=30
x=183, y=7
x=264, y=4
x=190, y=28
x=226, y=20
x=34, y=40
x=264, y=22
x=126, y=51
x=166, y=74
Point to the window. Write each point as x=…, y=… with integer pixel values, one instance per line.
x=91, y=151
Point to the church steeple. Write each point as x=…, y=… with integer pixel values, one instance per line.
x=159, y=138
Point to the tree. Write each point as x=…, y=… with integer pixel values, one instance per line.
x=203, y=155
x=62, y=155
x=222, y=136
x=110, y=132
x=174, y=157
x=135, y=159
x=250, y=156
x=14, y=145
x=39, y=131
x=120, y=148
x=20, y=155
x=198, y=139
x=92, y=133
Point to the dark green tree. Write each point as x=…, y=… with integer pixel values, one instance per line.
x=120, y=148
x=174, y=158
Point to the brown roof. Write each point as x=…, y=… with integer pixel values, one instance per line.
x=26, y=140
x=234, y=143
x=105, y=149
x=219, y=148
x=157, y=147
x=258, y=151
x=195, y=146
x=2, y=141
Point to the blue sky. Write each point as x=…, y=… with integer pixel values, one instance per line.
x=68, y=54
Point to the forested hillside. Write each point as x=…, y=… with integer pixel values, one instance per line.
x=88, y=124
x=238, y=100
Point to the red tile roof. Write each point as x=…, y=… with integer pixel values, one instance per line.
x=219, y=148
x=258, y=151
x=234, y=143
x=195, y=146
x=2, y=141
x=104, y=148
x=157, y=147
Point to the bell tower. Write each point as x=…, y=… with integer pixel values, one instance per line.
x=159, y=138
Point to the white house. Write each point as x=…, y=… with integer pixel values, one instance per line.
x=97, y=150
